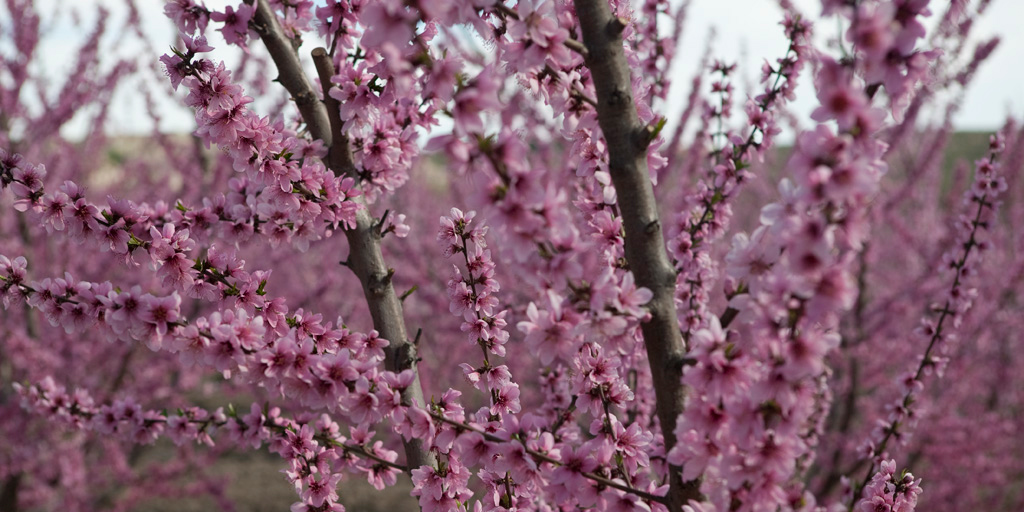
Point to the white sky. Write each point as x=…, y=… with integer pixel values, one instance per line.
x=747, y=33
x=749, y=26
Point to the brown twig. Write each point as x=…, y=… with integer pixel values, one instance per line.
x=627, y=140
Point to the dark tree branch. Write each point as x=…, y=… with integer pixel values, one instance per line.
x=365, y=257
x=9, y=493
x=728, y=316
x=289, y=69
x=627, y=141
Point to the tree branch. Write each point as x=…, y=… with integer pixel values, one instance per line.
x=365, y=257
x=289, y=69
x=9, y=493
x=627, y=142
x=339, y=154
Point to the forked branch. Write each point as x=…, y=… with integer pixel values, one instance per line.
x=365, y=257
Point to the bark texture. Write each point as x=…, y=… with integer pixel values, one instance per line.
x=365, y=257
x=627, y=141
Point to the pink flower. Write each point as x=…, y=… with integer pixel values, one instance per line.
x=871, y=33
x=180, y=430
x=474, y=449
x=27, y=186
x=174, y=67
x=839, y=98
x=506, y=399
x=462, y=299
x=619, y=501
x=236, y=23
x=129, y=309
x=631, y=298
x=187, y=15
x=381, y=476
x=477, y=97
x=513, y=458
x=752, y=257
x=567, y=480
x=392, y=25
x=537, y=36
x=548, y=332
x=158, y=313
x=361, y=403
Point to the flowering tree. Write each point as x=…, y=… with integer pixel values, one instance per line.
x=586, y=333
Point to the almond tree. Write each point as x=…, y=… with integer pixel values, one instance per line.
x=577, y=330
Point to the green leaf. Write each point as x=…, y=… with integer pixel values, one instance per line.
x=658, y=127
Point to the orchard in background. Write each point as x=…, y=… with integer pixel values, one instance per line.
x=454, y=243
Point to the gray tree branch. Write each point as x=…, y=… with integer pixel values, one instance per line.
x=365, y=257
x=627, y=141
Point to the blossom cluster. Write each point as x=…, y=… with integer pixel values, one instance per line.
x=762, y=398
x=473, y=298
x=705, y=214
x=382, y=101
x=319, y=366
x=294, y=194
x=127, y=229
x=939, y=334
x=317, y=453
x=886, y=491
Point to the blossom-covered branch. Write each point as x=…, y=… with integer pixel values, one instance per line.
x=981, y=200
x=627, y=142
x=365, y=258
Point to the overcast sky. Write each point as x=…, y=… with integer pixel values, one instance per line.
x=748, y=27
x=747, y=33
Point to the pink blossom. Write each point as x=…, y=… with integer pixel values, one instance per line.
x=236, y=23
x=187, y=15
